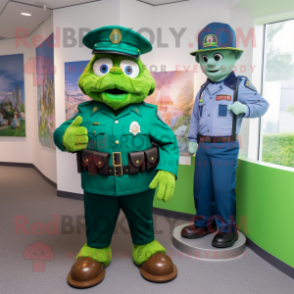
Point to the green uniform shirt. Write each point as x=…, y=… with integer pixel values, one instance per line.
x=110, y=133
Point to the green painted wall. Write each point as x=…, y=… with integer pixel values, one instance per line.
x=265, y=205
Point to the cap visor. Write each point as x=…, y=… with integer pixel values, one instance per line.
x=116, y=51
x=221, y=48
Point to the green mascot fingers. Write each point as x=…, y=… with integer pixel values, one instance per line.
x=75, y=137
x=125, y=151
x=166, y=185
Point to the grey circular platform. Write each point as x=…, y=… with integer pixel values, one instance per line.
x=202, y=248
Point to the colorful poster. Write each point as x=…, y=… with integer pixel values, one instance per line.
x=73, y=95
x=174, y=96
x=45, y=86
x=12, y=96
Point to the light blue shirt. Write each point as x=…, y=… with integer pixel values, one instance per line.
x=210, y=116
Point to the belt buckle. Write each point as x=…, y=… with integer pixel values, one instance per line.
x=207, y=140
x=117, y=163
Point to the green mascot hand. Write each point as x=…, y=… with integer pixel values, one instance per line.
x=166, y=182
x=75, y=137
x=238, y=108
x=192, y=147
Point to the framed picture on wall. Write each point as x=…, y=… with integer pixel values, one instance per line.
x=174, y=96
x=12, y=96
x=73, y=94
x=45, y=91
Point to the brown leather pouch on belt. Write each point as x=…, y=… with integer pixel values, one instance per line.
x=152, y=156
x=136, y=162
x=101, y=160
x=88, y=162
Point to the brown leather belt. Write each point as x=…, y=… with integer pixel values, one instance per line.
x=98, y=162
x=206, y=139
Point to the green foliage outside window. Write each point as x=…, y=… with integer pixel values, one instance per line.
x=278, y=149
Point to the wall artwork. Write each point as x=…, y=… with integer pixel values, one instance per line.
x=12, y=96
x=45, y=87
x=73, y=95
x=174, y=96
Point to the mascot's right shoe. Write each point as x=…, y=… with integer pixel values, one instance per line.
x=86, y=272
x=196, y=232
x=89, y=268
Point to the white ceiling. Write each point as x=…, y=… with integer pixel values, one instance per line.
x=160, y=2
x=54, y=4
x=11, y=18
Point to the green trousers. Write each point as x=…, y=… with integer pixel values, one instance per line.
x=101, y=213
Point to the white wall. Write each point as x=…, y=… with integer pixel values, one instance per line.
x=192, y=15
x=28, y=149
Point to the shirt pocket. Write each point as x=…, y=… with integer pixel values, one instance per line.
x=135, y=142
x=97, y=137
x=222, y=110
x=201, y=105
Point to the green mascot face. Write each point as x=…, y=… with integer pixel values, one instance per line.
x=217, y=64
x=116, y=80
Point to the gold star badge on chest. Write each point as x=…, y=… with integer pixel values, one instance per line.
x=135, y=128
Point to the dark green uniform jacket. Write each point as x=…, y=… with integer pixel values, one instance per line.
x=110, y=133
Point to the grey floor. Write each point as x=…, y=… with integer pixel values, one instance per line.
x=25, y=195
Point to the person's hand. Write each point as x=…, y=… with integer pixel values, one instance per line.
x=166, y=182
x=238, y=108
x=192, y=147
x=75, y=137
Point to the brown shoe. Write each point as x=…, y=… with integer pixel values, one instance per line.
x=159, y=268
x=86, y=272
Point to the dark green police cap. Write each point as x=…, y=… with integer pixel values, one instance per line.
x=117, y=40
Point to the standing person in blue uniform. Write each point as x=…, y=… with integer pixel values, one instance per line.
x=220, y=105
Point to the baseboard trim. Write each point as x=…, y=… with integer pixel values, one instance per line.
x=70, y=195
x=275, y=262
x=30, y=165
x=16, y=164
x=173, y=214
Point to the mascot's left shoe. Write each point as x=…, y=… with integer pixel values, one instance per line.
x=155, y=265
x=158, y=268
x=224, y=240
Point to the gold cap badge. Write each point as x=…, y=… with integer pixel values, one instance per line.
x=115, y=36
x=210, y=40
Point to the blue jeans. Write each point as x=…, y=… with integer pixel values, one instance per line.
x=214, y=185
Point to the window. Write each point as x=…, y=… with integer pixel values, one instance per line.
x=277, y=125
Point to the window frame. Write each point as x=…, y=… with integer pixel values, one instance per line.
x=260, y=141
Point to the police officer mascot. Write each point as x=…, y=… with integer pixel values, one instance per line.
x=124, y=152
x=220, y=105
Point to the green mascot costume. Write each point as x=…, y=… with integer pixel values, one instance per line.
x=125, y=150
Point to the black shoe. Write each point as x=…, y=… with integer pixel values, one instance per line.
x=223, y=240
x=195, y=232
